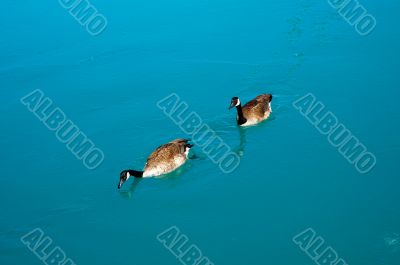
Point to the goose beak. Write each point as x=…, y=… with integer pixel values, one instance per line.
x=120, y=184
x=232, y=105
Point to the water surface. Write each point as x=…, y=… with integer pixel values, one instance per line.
x=290, y=177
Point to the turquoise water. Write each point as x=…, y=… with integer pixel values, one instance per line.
x=290, y=177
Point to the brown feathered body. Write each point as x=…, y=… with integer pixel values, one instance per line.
x=167, y=158
x=257, y=110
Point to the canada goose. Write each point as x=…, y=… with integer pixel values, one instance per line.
x=163, y=160
x=254, y=111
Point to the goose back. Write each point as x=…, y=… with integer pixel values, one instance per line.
x=167, y=158
x=257, y=109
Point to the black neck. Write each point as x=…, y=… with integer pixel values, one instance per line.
x=136, y=174
x=241, y=119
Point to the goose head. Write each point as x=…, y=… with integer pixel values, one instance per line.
x=123, y=177
x=234, y=102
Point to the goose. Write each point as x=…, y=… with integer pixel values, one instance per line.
x=254, y=111
x=163, y=160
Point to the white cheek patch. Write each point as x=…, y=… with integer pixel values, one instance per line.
x=238, y=102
